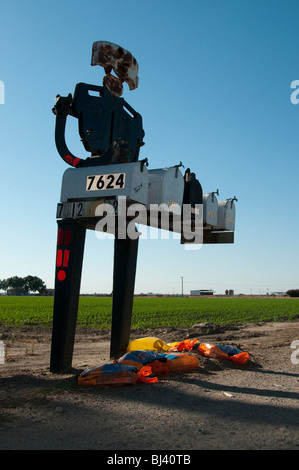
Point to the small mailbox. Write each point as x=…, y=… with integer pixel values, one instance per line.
x=210, y=209
x=166, y=186
x=226, y=215
x=125, y=179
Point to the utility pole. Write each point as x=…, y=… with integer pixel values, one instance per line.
x=182, y=286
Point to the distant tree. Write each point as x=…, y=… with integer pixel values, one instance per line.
x=15, y=282
x=28, y=283
x=3, y=284
x=293, y=292
x=34, y=284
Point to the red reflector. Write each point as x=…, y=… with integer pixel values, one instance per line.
x=68, y=159
x=60, y=236
x=68, y=236
x=76, y=161
x=59, y=258
x=66, y=257
x=72, y=160
x=61, y=275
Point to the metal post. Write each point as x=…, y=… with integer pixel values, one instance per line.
x=125, y=261
x=69, y=258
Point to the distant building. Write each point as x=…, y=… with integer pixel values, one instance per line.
x=201, y=292
x=278, y=294
x=229, y=292
x=48, y=292
x=16, y=291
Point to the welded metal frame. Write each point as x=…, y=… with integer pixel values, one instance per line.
x=112, y=132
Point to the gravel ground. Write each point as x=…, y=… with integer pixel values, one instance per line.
x=219, y=406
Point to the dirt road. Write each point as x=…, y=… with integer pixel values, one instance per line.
x=219, y=406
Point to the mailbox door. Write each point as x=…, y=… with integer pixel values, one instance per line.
x=226, y=215
x=166, y=186
x=210, y=210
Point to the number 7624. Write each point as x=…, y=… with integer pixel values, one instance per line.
x=103, y=182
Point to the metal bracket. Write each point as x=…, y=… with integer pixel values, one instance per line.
x=215, y=192
x=108, y=126
x=177, y=168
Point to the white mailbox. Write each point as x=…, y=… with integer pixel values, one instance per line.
x=106, y=181
x=166, y=186
x=226, y=215
x=210, y=209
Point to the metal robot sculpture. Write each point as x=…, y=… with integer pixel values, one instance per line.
x=113, y=177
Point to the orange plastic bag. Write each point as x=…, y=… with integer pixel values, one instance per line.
x=116, y=375
x=161, y=364
x=109, y=374
x=210, y=350
x=240, y=358
x=175, y=362
x=146, y=375
x=187, y=344
x=160, y=368
x=224, y=352
x=139, y=358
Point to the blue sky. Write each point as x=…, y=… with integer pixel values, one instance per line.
x=214, y=93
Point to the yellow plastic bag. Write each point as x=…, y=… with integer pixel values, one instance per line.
x=173, y=345
x=150, y=343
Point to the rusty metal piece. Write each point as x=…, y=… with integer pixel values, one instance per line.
x=124, y=65
x=113, y=84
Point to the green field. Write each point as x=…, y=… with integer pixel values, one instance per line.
x=95, y=312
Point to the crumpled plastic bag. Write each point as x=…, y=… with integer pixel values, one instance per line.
x=161, y=363
x=144, y=364
x=115, y=375
x=139, y=358
x=219, y=351
x=185, y=345
x=175, y=362
x=149, y=343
